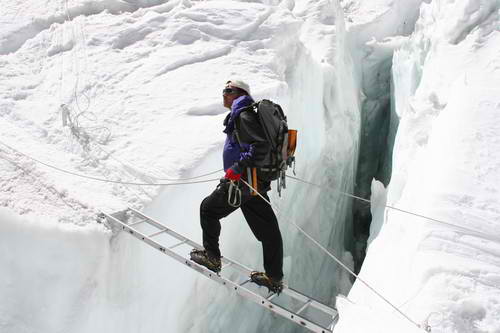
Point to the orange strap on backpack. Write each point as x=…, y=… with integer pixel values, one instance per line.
x=292, y=141
x=254, y=182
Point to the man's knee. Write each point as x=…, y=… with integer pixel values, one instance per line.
x=203, y=206
x=270, y=235
x=206, y=212
x=213, y=208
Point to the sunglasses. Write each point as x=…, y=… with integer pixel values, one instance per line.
x=229, y=91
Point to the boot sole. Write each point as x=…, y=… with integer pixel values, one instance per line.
x=215, y=270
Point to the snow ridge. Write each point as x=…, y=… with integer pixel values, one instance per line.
x=13, y=39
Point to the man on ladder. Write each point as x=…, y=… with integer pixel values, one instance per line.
x=231, y=194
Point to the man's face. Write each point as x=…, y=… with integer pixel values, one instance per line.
x=229, y=94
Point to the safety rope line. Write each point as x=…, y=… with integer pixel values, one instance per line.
x=106, y=180
x=475, y=232
x=51, y=189
x=79, y=50
x=71, y=117
x=130, y=166
x=426, y=328
x=81, y=132
x=180, y=182
x=196, y=177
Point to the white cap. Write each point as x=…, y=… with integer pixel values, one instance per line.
x=239, y=84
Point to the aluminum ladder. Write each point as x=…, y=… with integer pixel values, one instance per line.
x=291, y=304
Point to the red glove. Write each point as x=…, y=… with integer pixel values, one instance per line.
x=232, y=175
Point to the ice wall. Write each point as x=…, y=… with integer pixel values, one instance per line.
x=374, y=30
x=447, y=99
x=50, y=274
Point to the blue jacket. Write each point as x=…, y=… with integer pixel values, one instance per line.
x=233, y=153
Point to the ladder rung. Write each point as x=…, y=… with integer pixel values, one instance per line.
x=244, y=282
x=178, y=244
x=157, y=233
x=227, y=265
x=304, y=306
x=137, y=222
x=333, y=321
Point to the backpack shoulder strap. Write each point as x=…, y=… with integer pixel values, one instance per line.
x=248, y=128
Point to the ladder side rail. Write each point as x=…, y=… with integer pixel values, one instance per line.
x=334, y=322
x=294, y=293
x=122, y=214
x=262, y=301
x=245, y=270
x=176, y=245
x=313, y=302
x=167, y=229
x=152, y=243
x=137, y=222
x=306, y=304
x=158, y=233
x=171, y=232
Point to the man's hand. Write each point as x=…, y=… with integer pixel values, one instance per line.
x=233, y=173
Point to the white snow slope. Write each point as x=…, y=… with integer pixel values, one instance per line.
x=141, y=83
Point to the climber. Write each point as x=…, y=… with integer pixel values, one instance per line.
x=237, y=159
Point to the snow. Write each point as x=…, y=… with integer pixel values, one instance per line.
x=30, y=291
x=134, y=75
x=141, y=82
x=447, y=100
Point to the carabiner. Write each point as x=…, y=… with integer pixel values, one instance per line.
x=234, y=195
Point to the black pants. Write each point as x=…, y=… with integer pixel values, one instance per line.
x=260, y=218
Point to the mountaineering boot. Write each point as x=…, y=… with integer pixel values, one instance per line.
x=260, y=278
x=201, y=257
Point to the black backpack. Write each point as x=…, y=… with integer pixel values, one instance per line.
x=265, y=125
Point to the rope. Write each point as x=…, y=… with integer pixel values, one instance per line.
x=338, y=261
x=51, y=189
x=105, y=180
x=130, y=166
x=102, y=133
x=475, y=232
x=71, y=118
x=80, y=132
x=190, y=178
